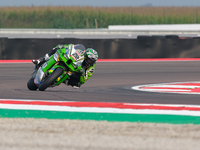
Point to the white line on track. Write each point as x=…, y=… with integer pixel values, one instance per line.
x=99, y=110
x=168, y=85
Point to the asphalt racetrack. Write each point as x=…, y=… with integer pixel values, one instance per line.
x=111, y=82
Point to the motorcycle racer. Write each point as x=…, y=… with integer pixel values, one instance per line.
x=87, y=67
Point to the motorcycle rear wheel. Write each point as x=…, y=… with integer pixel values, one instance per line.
x=51, y=79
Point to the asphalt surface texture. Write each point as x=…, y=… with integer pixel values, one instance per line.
x=111, y=82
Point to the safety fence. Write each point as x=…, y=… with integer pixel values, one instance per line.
x=142, y=47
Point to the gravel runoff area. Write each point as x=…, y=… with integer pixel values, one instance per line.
x=40, y=134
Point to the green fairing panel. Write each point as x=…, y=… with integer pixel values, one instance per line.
x=46, y=66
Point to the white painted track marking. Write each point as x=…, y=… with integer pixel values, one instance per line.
x=175, y=87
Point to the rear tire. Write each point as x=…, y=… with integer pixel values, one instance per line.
x=158, y=37
x=172, y=37
x=143, y=37
x=31, y=85
x=51, y=79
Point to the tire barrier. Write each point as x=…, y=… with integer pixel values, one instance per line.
x=143, y=47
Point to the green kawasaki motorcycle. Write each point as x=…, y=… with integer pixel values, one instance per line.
x=57, y=69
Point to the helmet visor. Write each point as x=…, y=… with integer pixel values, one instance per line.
x=89, y=61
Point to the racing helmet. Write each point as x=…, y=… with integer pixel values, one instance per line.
x=91, y=57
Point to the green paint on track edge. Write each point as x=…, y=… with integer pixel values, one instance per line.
x=148, y=118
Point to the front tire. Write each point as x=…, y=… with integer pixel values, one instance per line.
x=51, y=79
x=31, y=85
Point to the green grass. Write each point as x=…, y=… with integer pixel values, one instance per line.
x=84, y=17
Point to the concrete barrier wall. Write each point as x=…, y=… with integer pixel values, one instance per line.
x=158, y=27
x=142, y=47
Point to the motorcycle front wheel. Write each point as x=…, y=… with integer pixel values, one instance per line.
x=31, y=85
x=51, y=79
